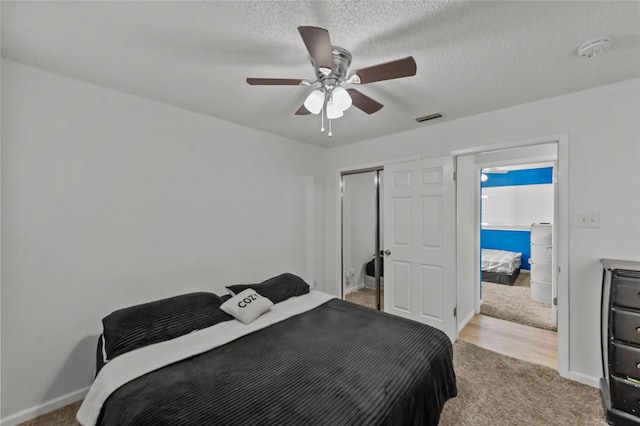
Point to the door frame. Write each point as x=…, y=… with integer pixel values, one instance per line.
x=561, y=231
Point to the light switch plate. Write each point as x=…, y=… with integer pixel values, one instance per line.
x=587, y=220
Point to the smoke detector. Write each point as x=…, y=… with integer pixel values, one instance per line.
x=594, y=47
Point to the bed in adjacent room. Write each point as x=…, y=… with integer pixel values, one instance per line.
x=308, y=358
x=500, y=266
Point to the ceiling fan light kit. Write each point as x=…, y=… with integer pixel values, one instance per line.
x=314, y=101
x=331, y=64
x=333, y=111
x=340, y=97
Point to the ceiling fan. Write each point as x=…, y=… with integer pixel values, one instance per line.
x=331, y=63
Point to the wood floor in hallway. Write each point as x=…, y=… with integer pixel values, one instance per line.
x=508, y=338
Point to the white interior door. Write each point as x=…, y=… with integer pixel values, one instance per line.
x=419, y=237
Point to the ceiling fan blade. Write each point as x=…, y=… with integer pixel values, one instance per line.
x=303, y=111
x=319, y=45
x=364, y=102
x=395, y=69
x=274, y=81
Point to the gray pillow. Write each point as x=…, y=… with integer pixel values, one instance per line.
x=276, y=289
x=137, y=326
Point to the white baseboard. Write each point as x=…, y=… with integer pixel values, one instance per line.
x=352, y=289
x=584, y=379
x=466, y=320
x=38, y=410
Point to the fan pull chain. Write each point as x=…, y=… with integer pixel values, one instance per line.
x=330, y=96
x=322, y=118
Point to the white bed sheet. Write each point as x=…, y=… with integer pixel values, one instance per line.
x=500, y=261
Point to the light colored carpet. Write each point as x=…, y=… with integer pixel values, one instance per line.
x=64, y=416
x=513, y=303
x=366, y=297
x=497, y=390
x=493, y=390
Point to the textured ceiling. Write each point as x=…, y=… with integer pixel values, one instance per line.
x=472, y=57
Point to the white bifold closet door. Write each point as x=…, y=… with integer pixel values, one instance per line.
x=419, y=238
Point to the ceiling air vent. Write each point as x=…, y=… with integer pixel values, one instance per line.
x=429, y=117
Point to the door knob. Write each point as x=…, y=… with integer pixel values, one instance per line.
x=387, y=252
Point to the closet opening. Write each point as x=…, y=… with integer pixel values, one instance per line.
x=362, y=264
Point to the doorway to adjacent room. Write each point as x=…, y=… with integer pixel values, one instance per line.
x=499, y=217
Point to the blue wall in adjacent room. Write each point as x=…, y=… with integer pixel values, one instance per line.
x=519, y=177
x=513, y=240
x=518, y=241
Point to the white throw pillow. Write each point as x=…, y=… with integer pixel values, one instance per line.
x=246, y=306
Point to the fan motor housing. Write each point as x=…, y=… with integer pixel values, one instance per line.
x=341, y=60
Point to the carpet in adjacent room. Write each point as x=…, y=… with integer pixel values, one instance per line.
x=513, y=303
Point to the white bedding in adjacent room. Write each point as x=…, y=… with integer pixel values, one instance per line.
x=500, y=261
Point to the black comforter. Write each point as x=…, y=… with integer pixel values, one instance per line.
x=338, y=364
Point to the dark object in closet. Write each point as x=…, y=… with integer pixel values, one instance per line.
x=620, y=341
x=370, y=267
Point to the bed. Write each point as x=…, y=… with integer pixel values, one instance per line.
x=309, y=359
x=500, y=266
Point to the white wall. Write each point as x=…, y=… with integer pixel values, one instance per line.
x=517, y=206
x=110, y=200
x=604, y=177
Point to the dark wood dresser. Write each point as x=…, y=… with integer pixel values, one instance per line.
x=620, y=343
